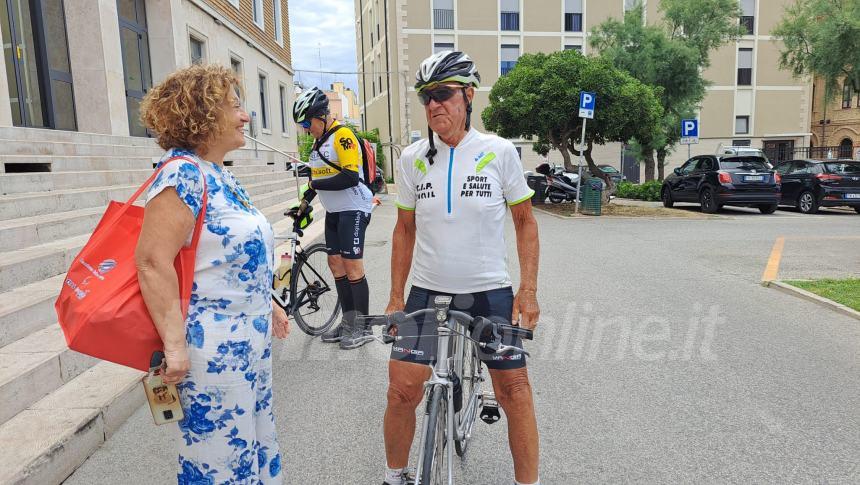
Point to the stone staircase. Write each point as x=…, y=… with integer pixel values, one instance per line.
x=57, y=406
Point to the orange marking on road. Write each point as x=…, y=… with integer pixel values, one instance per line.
x=772, y=268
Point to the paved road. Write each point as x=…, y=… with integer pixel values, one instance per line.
x=660, y=358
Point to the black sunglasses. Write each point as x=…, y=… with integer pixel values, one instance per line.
x=440, y=94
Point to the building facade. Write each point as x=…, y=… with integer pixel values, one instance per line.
x=750, y=100
x=835, y=124
x=85, y=66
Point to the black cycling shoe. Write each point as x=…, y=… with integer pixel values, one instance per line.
x=354, y=336
x=334, y=335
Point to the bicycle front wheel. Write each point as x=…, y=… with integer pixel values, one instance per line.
x=315, y=305
x=434, y=462
x=468, y=369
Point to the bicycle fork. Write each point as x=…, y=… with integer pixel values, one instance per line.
x=440, y=376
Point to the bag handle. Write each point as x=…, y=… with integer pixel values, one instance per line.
x=198, y=225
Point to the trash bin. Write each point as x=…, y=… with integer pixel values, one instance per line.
x=538, y=184
x=592, y=197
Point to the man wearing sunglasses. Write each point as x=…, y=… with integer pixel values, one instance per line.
x=336, y=173
x=454, y=190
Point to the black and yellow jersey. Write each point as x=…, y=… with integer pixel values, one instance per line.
x=341, y=148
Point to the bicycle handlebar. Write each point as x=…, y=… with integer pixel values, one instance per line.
x=489, y=333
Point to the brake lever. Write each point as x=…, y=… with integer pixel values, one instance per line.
x=502, y=348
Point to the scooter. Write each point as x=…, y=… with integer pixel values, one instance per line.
x=558, y=189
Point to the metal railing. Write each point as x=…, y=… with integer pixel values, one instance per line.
x=443, y=18
x=294, y=161
x=779, y=154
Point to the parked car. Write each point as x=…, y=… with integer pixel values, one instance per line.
x=742, y=151
x=810, y=184
x=715, y=181
x=616, y=176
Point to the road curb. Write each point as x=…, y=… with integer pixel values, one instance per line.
x=809, y=296
x=627, y=218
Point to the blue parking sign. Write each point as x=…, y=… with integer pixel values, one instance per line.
x=586, y=104
x=690, y=128
x=689, y=132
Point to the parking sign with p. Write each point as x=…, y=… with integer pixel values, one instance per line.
x=586, y=105
x=689, y=132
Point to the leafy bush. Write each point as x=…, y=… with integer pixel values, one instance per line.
x=646, y=191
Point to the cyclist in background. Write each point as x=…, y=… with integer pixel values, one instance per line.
x=337, y=175
x=454, y=190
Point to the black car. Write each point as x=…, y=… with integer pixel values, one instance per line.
x=717, y=180
x=810, y=184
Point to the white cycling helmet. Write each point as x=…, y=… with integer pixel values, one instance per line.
x=447, y=66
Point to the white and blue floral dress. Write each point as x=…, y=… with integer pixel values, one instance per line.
x=228, y=435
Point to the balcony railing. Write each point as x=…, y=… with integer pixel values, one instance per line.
x=747, y=25
x=744, y=76
x=443, y=18
x=510, y=21
x=573, y=22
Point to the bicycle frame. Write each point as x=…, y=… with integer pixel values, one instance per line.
x=441, y=376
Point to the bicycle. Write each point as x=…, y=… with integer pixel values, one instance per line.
x=456, y=375
x=310, y=297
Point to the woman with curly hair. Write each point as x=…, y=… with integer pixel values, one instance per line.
x=220, y=354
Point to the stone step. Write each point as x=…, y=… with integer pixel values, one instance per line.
x=25, y=232
x=35, y=366
x=27, y=309
x=29, y=264
x=19, y=183
x=39, y=229
x=59, y=148
x=74, y=163
x=29, y=204
x=39, y=134
x=38, y=203
x=47, y=441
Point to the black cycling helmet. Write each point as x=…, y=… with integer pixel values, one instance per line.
x=312, y=103
x=445, y=67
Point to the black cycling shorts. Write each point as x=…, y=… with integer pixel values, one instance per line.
x=420, y=338
x=344, y=233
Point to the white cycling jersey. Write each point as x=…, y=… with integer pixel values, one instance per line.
x=460, y=204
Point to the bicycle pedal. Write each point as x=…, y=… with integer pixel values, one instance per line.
x=490, y=408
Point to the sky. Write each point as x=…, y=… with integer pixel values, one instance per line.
x=323, y=31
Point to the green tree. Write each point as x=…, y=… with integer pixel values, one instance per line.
x=539, y=100
x=822, y=38
x=306, y=143
x=703, y=24
x=669, y=56
x=651, y=56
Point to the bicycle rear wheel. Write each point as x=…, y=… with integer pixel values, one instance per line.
x=434, y=462
x=468, y=369
x=315, y=305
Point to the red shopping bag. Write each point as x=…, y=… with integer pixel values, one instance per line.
x=100, y=307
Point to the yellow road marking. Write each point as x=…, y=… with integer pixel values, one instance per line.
x=772, y=268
